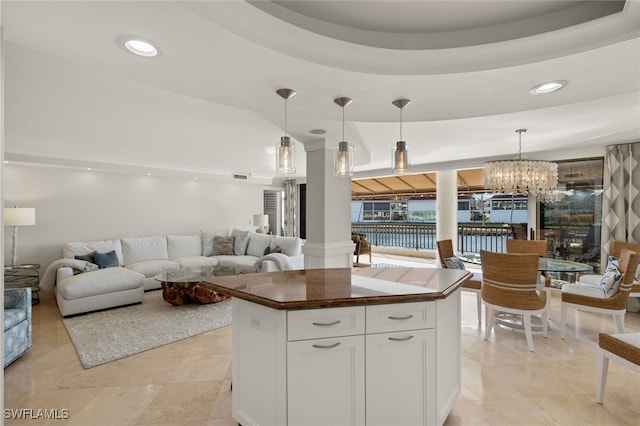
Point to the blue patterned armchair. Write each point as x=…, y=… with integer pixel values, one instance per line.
x=17, y=323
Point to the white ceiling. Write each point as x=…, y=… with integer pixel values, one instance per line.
x=207, y=106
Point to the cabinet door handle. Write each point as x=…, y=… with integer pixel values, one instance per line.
x=328, y=346
x=400, y=339
x=326, y=324
x=406, y=317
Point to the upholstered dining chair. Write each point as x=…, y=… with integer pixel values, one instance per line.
x=591, y=298
x=622, y=348
x=594, y=279
x=509, y=284
x=445, y=251
x=539, y=247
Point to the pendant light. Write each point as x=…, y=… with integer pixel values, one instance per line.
x=400, y=160
x=286, y=150
x=523, y=176
x=344, y=153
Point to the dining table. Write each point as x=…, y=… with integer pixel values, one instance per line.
x=548, y=265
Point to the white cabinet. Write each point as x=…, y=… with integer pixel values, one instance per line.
x=326, y=381
x=325, y=366
x=389, y=364
x=400, y=378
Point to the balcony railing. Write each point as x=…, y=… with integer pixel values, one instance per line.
x=422, y=236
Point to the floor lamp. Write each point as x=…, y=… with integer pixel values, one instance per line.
x=18, y=217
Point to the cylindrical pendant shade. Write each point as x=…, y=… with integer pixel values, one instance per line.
x=344, y=159
x=285, y=155
x=401, y=163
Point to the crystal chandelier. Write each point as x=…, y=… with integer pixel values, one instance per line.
x=521, y=175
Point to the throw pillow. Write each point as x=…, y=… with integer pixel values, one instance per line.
x=223, y=245
x=454, y=263
x=276, y=249
x=91, y=257
x=207, y=240
x=106, y=260
x=267, y=250
x=613, y=264
x=610, y=282
x=241, y=242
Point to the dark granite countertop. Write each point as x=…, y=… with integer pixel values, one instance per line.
x=321, y=288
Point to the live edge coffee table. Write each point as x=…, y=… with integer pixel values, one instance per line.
x=183, y=286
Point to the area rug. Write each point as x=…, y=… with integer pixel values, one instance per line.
x=101, y=337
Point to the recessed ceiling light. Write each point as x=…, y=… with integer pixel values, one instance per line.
x=138, y=46
x=148, y=174
x=317, y=131
x=548, y=87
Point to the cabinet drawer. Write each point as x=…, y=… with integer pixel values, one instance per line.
x=400, y=316
x=329, y=322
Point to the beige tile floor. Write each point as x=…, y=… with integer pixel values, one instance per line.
x=188, y=382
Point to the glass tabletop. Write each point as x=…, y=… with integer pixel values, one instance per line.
x=560, y=265
x=194, y=275
x=544, y=264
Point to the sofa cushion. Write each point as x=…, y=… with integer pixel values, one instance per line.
x=196, y=261
x=139, y=249
x=150, y=268
x=291, y=246
x=81, y=248
x=106, y=260
x=258, y=243
x=241, y=241
x=13, y=317
x=184, y=245
x=223, y=245
x=245, y=264
x=102, y=281
x=207, y=240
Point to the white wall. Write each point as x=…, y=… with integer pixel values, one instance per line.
x=77, y=205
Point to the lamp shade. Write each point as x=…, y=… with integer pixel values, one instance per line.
x=23, y=216
x=260, y=220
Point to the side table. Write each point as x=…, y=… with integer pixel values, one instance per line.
x=26, y=275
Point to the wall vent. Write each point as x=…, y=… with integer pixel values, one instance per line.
x=240, y=176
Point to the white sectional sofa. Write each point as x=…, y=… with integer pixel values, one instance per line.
x=128, y=265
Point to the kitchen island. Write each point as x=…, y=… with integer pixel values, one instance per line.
x=363, y=346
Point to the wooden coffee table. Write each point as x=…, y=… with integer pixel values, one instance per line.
x=183, y=286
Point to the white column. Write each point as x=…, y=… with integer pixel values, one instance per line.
x=447, y=206
x=328, y=242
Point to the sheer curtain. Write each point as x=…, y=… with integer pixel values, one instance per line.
x=621, y=197
x=290, y=208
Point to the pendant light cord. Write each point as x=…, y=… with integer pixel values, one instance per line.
x=285, y=117
x=343, y=124
x=401, y=124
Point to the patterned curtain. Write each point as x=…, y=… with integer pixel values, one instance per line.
x=290, y=208
x=621, y=197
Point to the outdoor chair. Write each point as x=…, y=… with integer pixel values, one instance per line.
x=509, y=285
x=445, y=251
x=603, y=298
x=362, y=246
x=622, y=348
